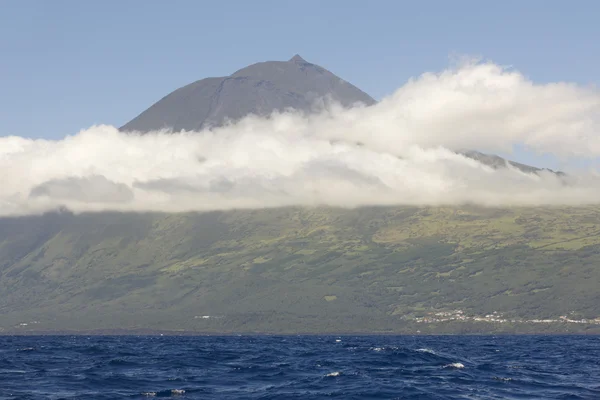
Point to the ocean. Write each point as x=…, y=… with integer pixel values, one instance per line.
x=300, y=367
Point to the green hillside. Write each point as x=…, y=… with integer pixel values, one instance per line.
x=304, y=270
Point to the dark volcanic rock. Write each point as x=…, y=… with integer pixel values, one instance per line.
x=257, y=89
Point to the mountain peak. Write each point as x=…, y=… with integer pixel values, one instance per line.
x=297, y=59
x=258, y=89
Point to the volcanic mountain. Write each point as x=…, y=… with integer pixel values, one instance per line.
x=297, y=269
x=261, y=89
x=257, y=89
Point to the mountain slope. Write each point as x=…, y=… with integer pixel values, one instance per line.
x=301, y=270
x=496, y=162
x=257, y=89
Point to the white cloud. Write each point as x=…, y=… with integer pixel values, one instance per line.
x=397, y=152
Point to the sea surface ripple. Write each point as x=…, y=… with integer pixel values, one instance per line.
x=300, y=367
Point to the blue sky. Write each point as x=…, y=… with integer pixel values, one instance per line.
x=69, y=64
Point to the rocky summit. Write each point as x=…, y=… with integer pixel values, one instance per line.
x=258, y=89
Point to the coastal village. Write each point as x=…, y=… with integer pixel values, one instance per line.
x=498, y=318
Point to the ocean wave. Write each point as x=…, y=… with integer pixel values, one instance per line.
x=227, y=368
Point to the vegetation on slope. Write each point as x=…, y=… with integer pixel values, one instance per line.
x=299, y=269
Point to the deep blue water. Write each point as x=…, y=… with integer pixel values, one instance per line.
x=300, y=367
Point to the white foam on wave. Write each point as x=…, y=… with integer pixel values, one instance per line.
x=336, y=373
x=173, y=392
x=425, y=350
x=383, y=348
x=455, y=365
